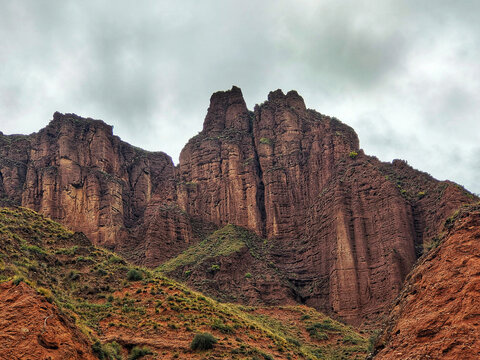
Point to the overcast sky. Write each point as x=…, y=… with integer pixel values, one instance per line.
x=404, y=74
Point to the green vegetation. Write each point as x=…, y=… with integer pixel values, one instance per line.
x=134, y=275
x=67, y=273
x=265, y=141
x=228, y=240
x=203, y=341
x=110, y=351
x=215, y=267
x=138, y=352
x=353, y=154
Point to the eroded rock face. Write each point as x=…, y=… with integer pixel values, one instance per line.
x=345, y=228
x=436, y=316
x=76, y=172
x=32, y=328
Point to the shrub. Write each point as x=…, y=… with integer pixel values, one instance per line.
x=73, y=275
x=248, y=275
x=134, y=275
x=266, y=141
x=203, y=341
x=46, y=293
x=138, y=352
x=17, y=280
x=353, y=154
x=215, y=267
x=114, y=350
x=98, y=350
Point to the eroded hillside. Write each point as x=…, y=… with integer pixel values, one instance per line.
x=65, y=298
x=437, y=315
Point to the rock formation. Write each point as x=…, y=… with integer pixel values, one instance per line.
x=436, y=315
x=344, y=228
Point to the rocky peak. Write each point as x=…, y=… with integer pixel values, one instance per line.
x=291, y=99
x=66, y=121
x=227, y=110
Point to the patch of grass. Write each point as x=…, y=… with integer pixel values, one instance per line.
x=222, y=327
x=353, y=154
x=228, y=240
x=215, y=267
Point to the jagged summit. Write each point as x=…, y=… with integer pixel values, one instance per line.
x=227, y=110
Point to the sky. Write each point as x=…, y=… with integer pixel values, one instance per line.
x=404, y=74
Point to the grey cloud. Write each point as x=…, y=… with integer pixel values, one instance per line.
x=403, y=73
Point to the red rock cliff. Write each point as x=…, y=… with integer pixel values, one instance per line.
x=345, y=228
x=76, y=172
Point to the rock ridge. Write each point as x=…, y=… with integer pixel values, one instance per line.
x=344, y=228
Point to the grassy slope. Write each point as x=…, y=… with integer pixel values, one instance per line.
x=90, y=285
x=223, y=242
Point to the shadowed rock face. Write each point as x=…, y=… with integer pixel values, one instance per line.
x=344, y=228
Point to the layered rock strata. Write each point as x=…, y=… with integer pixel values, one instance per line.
x=345, y=228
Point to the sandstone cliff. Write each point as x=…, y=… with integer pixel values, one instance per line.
x=344, y=228
x=75, y=171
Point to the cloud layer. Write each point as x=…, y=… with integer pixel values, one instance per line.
x=404, y=74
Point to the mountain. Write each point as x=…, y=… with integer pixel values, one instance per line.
x=329, y=226
x=436, y=315
x=63, y=298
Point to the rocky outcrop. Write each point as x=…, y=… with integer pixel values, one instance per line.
x=33, y=328
x=436, y=315
x=218, y=173
x=344, y=228
x=76, y=172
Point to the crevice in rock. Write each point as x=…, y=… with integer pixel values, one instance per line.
x=418, y=226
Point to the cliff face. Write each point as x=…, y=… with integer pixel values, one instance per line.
x=76, y=172
x=344, y=228
x=436, y=315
